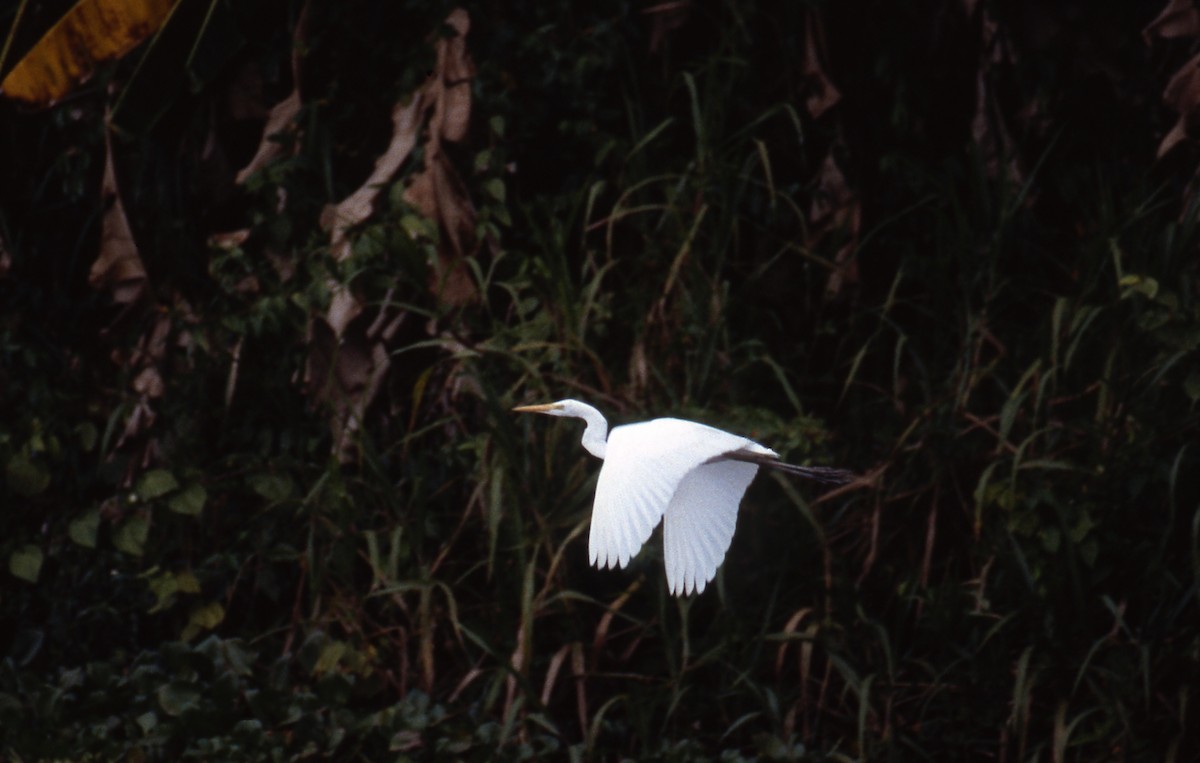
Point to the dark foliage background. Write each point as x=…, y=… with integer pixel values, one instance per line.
x=932, y=241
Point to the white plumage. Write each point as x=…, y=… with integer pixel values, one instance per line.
x=688, y=475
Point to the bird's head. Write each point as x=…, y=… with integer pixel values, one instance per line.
x=569, y=408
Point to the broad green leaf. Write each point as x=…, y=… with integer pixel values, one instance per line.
x=495, y=189
x=203, y=619
x=189, y=501
x=187, y=582
x=147, y=721
x=176, y=699
x=130, y=536
x=331, y=655
x=167, y=585
x=156, y=483
x=273, y=487
x=26, y=563
x=26, y=477
x=84, y=529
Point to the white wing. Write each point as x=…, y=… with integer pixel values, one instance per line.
x=644, y=466
x=700, y=521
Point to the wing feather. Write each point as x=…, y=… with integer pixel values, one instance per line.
x=644, y=467
x=700, y=522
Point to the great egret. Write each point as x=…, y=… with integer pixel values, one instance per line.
x=689, y=473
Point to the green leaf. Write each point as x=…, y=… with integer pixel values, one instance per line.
x=331, y=655
x=273, y=487
x=155, y=483
x=495, y=189
x=147, y=721
x=203, y=619
x=84, y=529
x=26, y=477
x=1137, y=283
x=176, y=699
x=130, y=536
x=26, y=563
x=189, y=501
x=87, y=434
x=187, y=583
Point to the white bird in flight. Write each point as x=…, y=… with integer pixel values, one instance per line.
x=687, y=474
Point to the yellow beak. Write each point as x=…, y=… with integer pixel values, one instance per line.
x=544, y=408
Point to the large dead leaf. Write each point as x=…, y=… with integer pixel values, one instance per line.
x=989, y=128
x=835, y=208
x=145, y=362
x=437, y=191
x=347, y=364
x=118, y=267
x=1180, y=18
x=92, y=32
x=1183, y=95
x=666, y=18
x=281, y=120
x=822, y=95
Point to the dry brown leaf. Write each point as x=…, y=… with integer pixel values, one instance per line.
x=835, y=207
x=988, y=127
x=347, y=364
x=92, y=32
x=822, y=94
x=1180, y=18
x=358, y=206
x=1183, y=95
x=437, y=191
x=282, y=117
x=118, y=267
x=5, y=260
x=270, y=148
x=667, y=17
x=146, y=359
x=457, y=68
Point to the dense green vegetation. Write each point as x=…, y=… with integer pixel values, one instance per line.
x=928, y=242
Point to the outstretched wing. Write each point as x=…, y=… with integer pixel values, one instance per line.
x=644, y=467
x=700, y=521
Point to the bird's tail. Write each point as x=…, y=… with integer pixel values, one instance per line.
x=828, y=475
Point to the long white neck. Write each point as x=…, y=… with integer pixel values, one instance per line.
x=595, y=437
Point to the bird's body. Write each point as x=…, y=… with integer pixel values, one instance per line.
x=688, y=475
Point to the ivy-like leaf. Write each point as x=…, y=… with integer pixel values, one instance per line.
x=189, y=501
x=26, y=563
x=130, y=536
x=26, y=477
x=156, y=483
x=84, y=529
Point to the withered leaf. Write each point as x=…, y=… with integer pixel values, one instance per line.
x=836, y=208
x=280, y=122
x=822, y=94
x=282, y=117
x=1183, y=95
x=1180, y=18
x=118, y=267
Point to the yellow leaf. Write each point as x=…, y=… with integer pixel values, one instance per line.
x=202, y=619
x=90, y=33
